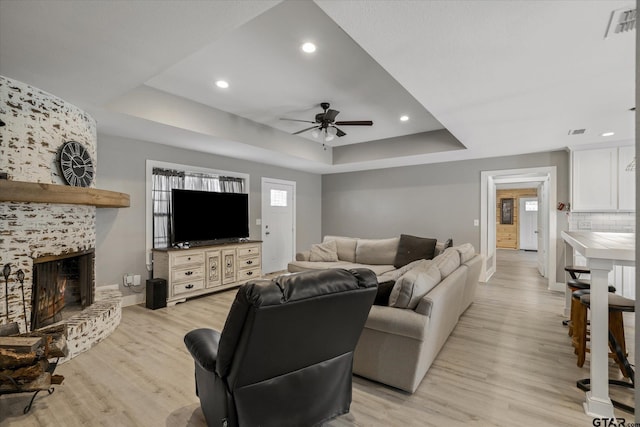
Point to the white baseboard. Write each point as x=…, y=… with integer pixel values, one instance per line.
x=114, y=287
x=132, y=299
x=558, y=287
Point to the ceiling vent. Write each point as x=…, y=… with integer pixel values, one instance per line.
x=621, y=21
x=577, y=131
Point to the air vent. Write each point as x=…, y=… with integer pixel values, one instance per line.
x=577, y=131
x=621, y=21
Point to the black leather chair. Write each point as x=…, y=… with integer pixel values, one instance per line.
x=285, y=355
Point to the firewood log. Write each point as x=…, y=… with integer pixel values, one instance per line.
x=43, y=382
x=12, y=359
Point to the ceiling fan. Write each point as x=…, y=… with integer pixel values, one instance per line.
x=325, y=124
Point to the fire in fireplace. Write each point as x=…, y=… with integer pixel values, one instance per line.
x=62, y=286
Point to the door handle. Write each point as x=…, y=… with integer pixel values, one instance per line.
x=267, y=233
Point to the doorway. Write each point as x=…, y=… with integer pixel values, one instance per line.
x=545, y=179
x=278, y=224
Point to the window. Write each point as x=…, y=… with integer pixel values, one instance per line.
x=531, y=205
x=164, y=180
x=278, y=198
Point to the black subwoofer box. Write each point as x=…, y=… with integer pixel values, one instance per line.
x=156, y=293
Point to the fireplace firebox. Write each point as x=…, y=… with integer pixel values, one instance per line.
x=63, y=285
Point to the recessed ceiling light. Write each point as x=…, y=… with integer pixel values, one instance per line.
x=608, y=134
x=309, y=47
x=222, y=84
x=404, y=118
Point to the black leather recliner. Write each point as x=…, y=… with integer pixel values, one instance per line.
x=285, y=355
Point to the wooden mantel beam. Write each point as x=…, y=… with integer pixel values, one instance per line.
x=20, y=191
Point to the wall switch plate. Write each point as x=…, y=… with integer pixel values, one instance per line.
x=259, y=221
x=136, y=280
x=476, y=223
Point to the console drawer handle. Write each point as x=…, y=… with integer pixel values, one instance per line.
x=249, y=262
x=249, y=273
x=188, y=273
x=189, y=286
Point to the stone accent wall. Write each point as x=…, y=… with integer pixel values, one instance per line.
x=37, y=125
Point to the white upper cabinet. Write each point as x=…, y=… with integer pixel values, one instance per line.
x=626, y=180
x=599, y=181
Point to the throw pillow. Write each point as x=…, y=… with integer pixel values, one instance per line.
x=384, y=291
x=326, y=251
x=447, y=262
x=412, y=248
x=467, y=251
x=413, y=285
x=346, y=247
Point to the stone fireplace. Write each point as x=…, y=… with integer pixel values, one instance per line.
x=32, y=234
x=62, y=286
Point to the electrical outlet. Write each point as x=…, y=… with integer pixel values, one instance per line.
x=127, y=279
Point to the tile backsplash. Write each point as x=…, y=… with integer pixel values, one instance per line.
x=621, y=222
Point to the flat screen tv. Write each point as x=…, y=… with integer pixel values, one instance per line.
x=199, y=217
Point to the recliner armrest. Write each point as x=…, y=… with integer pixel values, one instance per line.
x=203, y=346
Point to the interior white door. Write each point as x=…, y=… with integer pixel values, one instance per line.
x=528, y=224
x=542, y=220
x=278, y=224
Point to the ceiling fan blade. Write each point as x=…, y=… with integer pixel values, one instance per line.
x=296, y=120
x=355, y=123
x=339, y=133
x=330, y=115
x=304, y=130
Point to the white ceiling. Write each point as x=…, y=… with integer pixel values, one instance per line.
x=478, y=78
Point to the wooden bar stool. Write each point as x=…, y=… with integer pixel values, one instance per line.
x=617, y=305
x=575, y=286
x=574, y=271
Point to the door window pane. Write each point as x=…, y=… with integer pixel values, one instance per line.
x=530, y=205
x=278, y=198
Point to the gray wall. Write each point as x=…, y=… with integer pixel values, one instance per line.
x=438, y=200
x=120, y=239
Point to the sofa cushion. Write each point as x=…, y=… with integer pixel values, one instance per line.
x=346, y=247
x=298, y=266
x=384, y=291
x=395, y=273
x=413, y=285
x=447, y=261
x=377, y=251
x=325, y=252
x=411, y=248
x=467, y=251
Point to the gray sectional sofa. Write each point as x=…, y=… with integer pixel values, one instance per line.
x=402, y=336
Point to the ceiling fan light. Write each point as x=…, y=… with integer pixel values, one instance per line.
x=315, y=133
x=328, y=137
x=332, y=131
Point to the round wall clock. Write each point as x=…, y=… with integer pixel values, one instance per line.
x=76, y=164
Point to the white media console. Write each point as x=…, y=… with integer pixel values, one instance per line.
x=205, y=269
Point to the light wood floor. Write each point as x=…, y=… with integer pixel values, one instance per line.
x=508, y=362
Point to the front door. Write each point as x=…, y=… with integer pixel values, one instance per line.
x=278, y=224
x=528, y=224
